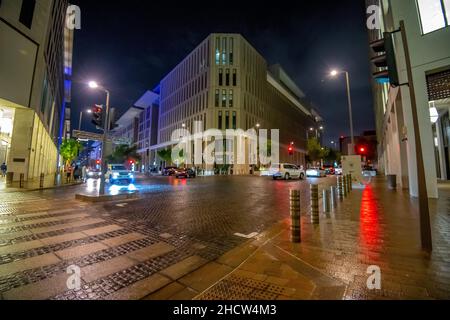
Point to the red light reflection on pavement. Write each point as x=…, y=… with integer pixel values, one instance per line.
x=370, y=232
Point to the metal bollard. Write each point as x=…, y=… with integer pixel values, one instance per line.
x=326, y=200
x=340, y=187
x=41, y=181
x=314, y=203
x=350, y=185
x=22, y=177
x=333, y=197
x=344, y=185
x=9, y=178
x=294, y=205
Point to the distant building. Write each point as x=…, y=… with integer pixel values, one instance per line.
x=35, y=69
x=428, y=33
x=226, y=84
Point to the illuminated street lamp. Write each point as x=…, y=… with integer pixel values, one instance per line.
x=94, y=85
x=335, y=73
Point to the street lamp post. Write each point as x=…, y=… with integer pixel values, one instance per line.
x=334, y=73
x=81, y=118
x=94, y=85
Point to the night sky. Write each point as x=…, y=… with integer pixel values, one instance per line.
x=129, y=46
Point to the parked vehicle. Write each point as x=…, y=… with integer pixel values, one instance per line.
x=184, y=173
x=338, y=171
x=118, y=174
x=93, y=174
x=286, y=171
x=329, y=170
x=169, y=171
x=315, y=172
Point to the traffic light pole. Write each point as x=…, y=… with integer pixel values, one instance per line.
x=347, y=78
x=104, y=141
x=425, y=227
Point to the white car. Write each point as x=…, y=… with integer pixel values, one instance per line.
x=286, y=171
x=316, y=172
x=338, y=171
x=118, y=173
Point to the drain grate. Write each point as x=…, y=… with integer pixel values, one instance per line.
x=240, y=288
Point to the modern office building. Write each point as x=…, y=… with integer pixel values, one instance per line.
x=35, y=63
x=428, y=33
x=225, y=83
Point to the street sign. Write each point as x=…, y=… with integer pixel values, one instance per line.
x=85, y=135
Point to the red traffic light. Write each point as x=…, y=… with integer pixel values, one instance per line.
x=290, y=150
x=97, y=161
x=362, y=149
x=131, y=161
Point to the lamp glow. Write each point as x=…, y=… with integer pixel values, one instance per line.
x=334, y=73
x=93, y=85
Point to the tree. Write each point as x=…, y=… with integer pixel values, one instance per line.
x=124, y=153
x=315, y=150
x=165, y=155
x=69, y=150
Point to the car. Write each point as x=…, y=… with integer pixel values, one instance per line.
x=169, y=171
x=338, y=171
x=329, y=170
x=286, y=171
x=118, y=174
x=184, y=173
x=93, y=173
x=315, y=172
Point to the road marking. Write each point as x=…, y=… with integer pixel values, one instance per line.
x=121, y=205
x=248, y=236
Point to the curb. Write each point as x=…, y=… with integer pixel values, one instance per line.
x=106, y=198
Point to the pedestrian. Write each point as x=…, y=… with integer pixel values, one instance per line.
x=84, y=173
x=4, y=169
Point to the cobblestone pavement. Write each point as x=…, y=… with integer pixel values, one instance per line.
x=216, y=238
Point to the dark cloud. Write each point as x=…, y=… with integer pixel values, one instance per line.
x=129, y=46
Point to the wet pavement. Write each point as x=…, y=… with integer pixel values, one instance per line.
x=218, y=238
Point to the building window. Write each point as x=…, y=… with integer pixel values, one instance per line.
x=227, y=81
x=234, y=120
x=230, y=98
x=220, y=77
x=217, y=51
x=232, y=48
x=234, y=77
x=224, y=98
x=216, y=100
x=220, y=120
x=434, y=14
x=227, y=120
x=224, y=50
x=27, y=12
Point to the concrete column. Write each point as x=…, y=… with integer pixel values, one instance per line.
x=19, y=155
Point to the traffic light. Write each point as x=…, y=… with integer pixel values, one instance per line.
x=361, y=150
x=97, y=162
x=97, y=116
x=385, y=60
x=291, y=150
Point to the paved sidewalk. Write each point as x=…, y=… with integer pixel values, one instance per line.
x=373, y=226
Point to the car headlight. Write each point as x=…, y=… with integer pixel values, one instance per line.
x=90, y=174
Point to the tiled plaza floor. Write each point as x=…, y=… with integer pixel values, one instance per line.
x=178, y=241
